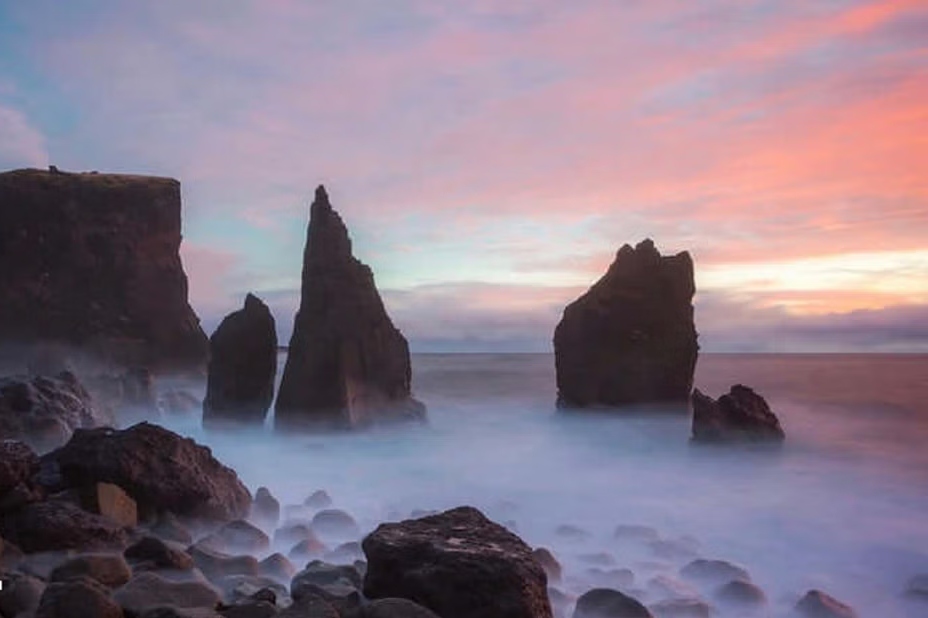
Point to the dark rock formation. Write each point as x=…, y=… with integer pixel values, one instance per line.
x=156, y=554
x=608, y=603
x=111, y=570
x=265, y=509
x=817, y=604
x=18, y=464
x=741, y=415
x=237, y=536
x=159, y=469
x=714, y=572
x=242, y=366
x=77, y=598
x=459, y=564
x=630, y=338
x=57, y=525
x=148, y=590
x=44, y=411
x=92, y=260
x=347, y=365
x=395, y=608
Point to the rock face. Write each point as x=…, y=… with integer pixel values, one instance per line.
x=631, y=337
x=242, y=366
x=159, y=469
x=44, y=411
x=348, y=365
x=458, y=564
x=92, y=260
x=740, y=416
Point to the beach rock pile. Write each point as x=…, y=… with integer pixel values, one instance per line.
x=92, y=261
x=739, y=416
x=44, y=411
x=242, y=366
x=348, y=366
x=631, y=337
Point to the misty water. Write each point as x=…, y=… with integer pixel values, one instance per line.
x=840, y=507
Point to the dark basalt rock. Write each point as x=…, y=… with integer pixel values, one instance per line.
x=148, y=590
x=159, y=469
x=265, y=509
x=347, y=366
x=395, y=608
x=458, y=564
x=242, y=366
x=158, y=555
x=111, y=570
x=18, y=464
x=631, y=337
x=81, y=597
x=44, y=411
x=740, y=416
x=608, y=603
x=57, y=525
x=92, y=260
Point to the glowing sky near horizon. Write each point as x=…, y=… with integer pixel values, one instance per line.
x=489, y=158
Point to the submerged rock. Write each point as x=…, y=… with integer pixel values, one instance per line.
x=817, y=604
x=242, y=366
x=631, y=338
x=348, y=365
x=44, y=411
x=459, y=564
x=92, y=260
x=159, y=469
x=740, y=416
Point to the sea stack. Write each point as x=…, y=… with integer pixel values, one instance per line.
x=92, y=261
x=347, y=365
x=242, y=367
x=630, y=339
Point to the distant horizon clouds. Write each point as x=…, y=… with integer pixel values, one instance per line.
x=490, y=158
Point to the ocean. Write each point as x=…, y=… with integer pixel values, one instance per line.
x=840, y=507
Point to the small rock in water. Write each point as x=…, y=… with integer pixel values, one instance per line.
x=548, y=562
x=277, y=566
x=169, y=528
x=918, y=587
x=158, y=554
x=335, y=522
x=265, y=509
x=635, y=533
x=319, y=499
x=568, y=531
x=346, y=553
x=681, y=608
x=238, y=536
x=307, y=549
x=608, y=603
x=817, y=604
x=742, y=593
x=79, y=597
x=110, y=570
x=216, y=564
x=291, y=533
x=740, y=416
x=713, y=572
x=110, y=501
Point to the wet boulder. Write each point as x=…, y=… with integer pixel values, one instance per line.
x=335, y=523
x=159, y=469
x=459, y=564
x=149, y=590
x=608, y=603
x=242, y=367
x=59, y=525
x=238, y=536
x=80, y=597
x=44, y=411
x=739, y=416
x=110, y=570
x=156, y=554
x=265, y=509
x=631, y=337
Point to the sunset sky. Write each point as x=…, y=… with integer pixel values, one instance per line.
x=489, y=158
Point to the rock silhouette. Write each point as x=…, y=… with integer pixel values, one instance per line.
x=242, y=366
x=348, y=365
x=91, y=260
x=631, y=337
x=740, y=416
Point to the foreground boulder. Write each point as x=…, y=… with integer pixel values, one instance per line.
x=44, y=411
x=92, y=260
x=58, y=525
x=631, y=338
x=609, y=603
x=458, y=564
x=347, y=365
x=159, y=469
x=740, y=416
x=242, y=366
x=80, y=597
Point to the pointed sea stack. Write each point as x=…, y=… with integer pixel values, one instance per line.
x=242, y=367
x=92, y=261
x=630, y=338
x=347, y=365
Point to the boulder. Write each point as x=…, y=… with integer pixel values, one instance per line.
x=277, y=566
x=110, y=570
x=740, y=592
x=109, y=501
x=319, y=499
x=681, y=608
x=311, y=606
x=319, y=573
x=335, y=523
x=237, y=536
x=458, y=564
x=44, y=411
x=347, y=366
x=58, y=525
x=242, y=367
x=817, y=604
x=631, y=337
x=395, y=608
x=18, y=465
x=548, y=562
x=170, y=611
x=307, y=549
x=713, y=572
x=148, y=590
x=157, y=554
x=294, y=533
x=608, y=603
x=20, y=594
x=159, y=469
x=81, y=597
x=740, y=416
x=217, y=564
x=265, y=509
x=92, y=261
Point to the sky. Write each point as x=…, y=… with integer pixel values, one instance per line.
x=489, y=158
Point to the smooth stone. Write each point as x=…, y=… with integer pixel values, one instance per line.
x=713, y=572
x=110, y=570
x=608, y=603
